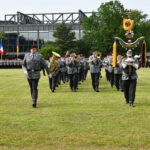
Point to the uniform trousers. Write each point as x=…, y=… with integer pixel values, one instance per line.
x=117, y=78
x=107, y=75
x=111, y=77
x=52, y=83
x=73, y=81
x=33, y=88
x=129, y=90
x=63, y=76
x=95, y=80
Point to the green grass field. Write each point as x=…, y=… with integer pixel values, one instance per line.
x=64, y=120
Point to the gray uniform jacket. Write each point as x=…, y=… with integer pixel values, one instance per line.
x=105, y=63
x=72, y=67
x=118, y=69
x=94, y=66
x=34, y=65
x=85, y=64
x=110, y=62
x=125, y=70
x=63, y=66
x=80, y=65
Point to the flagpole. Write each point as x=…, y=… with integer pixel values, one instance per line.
x=1, y=54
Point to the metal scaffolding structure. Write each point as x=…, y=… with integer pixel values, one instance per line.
x=45, y=21
x=42, y=22
x=47, y=18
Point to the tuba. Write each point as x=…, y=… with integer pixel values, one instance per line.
x=75, y=58
x=98, y=55
x=53, y=65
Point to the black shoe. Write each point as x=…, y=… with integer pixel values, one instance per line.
x=132, y=105
x=74, y=90
x=34, y=103
x=126, y=102
x=53, y=90
x=96, y=89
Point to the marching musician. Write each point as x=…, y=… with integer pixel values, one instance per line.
x=32, y=65
x=95, y=70
x=66, y=58
x=54, y=70
x=72, y=68
x=80, y=68
x=85, y=67
x=63, y=69
x=118, y=73
x=129, y=77
x=58, y=76
x=111, y=70
x=105, y=65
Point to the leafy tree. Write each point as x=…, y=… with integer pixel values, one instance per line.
x=101, y=28
x=2, y=36
x=65, y=38
x=47, y=51
x=141, y=28
x=82, y=47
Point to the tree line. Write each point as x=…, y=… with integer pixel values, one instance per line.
x=99, y=31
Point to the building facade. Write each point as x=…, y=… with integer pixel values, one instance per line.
x=36, y=29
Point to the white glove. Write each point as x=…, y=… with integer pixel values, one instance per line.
x=25, y=72
x=135, y=66
x=50, y=75
x=124, y=65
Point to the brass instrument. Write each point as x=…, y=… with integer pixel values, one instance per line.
x=130, y=59
x=75, y=58
x=53, y=65
x=106, y=62
x=67, y=53
x=98, y=55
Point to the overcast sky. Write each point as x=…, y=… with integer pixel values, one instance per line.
x=52, y=6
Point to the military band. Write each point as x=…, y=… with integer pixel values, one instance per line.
x=75, y=67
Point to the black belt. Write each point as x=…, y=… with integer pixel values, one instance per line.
x=33, y=70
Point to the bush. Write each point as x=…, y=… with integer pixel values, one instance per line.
x=47, y=51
